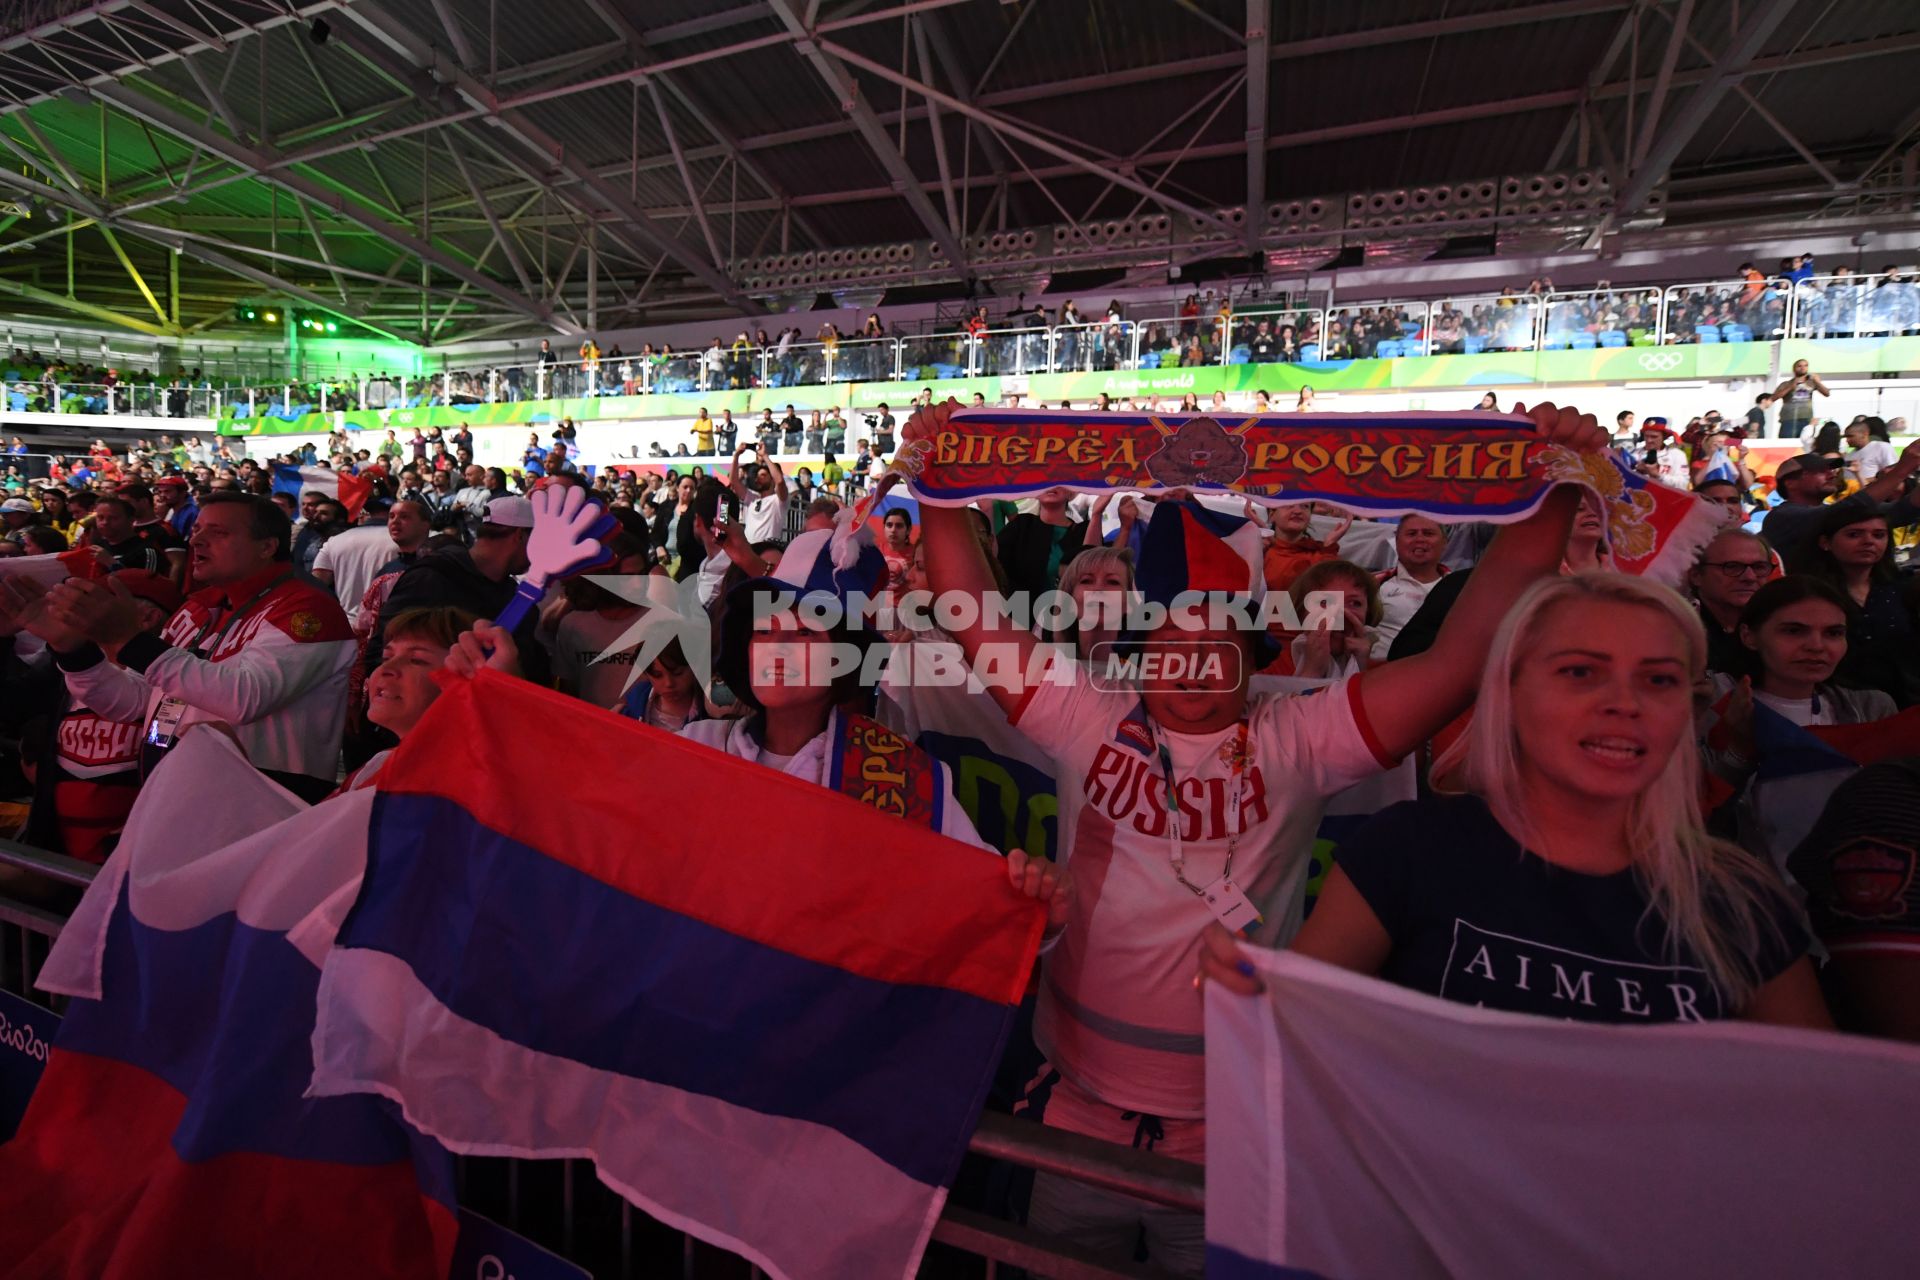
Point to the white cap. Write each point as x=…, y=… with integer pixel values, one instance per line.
x=514, y=513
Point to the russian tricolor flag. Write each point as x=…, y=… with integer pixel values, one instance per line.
x=777, y=1038
x=171, y=1133
x=352, y=490
x=1798, y=769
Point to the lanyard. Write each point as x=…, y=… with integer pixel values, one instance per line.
x=1176, y=852
x=193, y=646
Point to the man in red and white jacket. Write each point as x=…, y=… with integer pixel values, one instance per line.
x=257, y=649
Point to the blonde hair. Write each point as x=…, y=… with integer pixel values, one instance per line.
x=1091, y=561
x=1716, y=899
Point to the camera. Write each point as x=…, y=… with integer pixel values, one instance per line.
x=871, y=419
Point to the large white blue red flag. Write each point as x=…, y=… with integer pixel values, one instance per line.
x=171, y=1134
x=778, y=1041
x=1798, y=769
x=1356, y=1129
x=352, y=490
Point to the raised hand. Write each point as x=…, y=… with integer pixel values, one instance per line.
x=484, y=646
x=1569, y=427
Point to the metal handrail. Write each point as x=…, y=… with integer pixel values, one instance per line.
x=1155, y=1178
x=1729, y=292
x=55, y=866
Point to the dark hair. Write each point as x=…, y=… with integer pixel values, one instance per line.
x=264, y=519
x=49, y=539
x=1784, y=592
x=708, y=494
x=109, y=500
x=135, y=492
x=1841, y=515
x=1827, y=439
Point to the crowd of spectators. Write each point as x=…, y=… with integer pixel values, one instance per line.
x=306, y=628
x=1204, y=329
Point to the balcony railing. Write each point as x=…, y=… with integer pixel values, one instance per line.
x=1730, y=311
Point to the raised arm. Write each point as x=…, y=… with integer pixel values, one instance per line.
x=735, y=483
x=956, y=562
x=779, y=476
x=1886, y=486
x=1410, y=700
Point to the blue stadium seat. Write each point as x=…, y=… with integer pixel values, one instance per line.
x=1149, y=359
x=1473, y=344
x=1583, y=342
x=1387, y=349
x=1707, y=333
x=1309, y=352
x=1554, y=342
x=1239, y=355
x=1736, y=333
x=17, y=401
x=1612, y=338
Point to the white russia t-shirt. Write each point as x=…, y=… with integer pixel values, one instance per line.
x=1118, y=1014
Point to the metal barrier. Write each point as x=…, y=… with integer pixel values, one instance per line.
x=1724, y=311
x=562, y=1206
x=1601, y=318
x=1486, y=322
x=1844, y=305
x=1010, y=352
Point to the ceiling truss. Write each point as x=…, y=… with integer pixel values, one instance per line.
x=511, y=226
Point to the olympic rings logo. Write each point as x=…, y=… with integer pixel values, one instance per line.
x=1660, y=361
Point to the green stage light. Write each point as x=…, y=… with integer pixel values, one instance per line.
x=270, y=317
x=332, y=327
x=249, y=315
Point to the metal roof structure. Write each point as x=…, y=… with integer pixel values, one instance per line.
x=440, y=170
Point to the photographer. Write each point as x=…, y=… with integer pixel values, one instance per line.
x=761, y=489
x=882, y=426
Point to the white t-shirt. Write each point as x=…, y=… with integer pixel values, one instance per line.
x=1118, y=1015
x=1671, y=468
x=1400, y=598
x=579, y=640
x=355, y=555
x=1871, y=458
x=812, y=762
x=764, y=519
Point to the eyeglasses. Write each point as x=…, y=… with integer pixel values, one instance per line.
x=1740, y=568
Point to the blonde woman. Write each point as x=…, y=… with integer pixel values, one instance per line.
x=1098, y=580
x=1565, y=869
